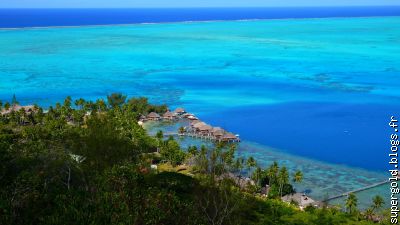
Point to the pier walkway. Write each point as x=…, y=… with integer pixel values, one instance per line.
x=357, y=190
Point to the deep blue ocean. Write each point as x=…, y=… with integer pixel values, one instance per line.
x=12, y=18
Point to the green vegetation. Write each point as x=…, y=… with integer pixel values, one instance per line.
x=377, y=202
x=171, y=152
x=351, y=203
x=276, y=179
x=298, y=176
x=91, y=164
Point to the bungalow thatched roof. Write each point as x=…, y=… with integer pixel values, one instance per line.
x=188, y=114
x=205, y=127
x=215, y=129
x=153, y=115
x=194, y=122
x=179, y=110
x=168, y=114
x=198, y=125
x=300, y=198
x=192, y=118
x=229, y=136
x=218, y=132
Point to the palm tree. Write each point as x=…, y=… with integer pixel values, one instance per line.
x=58, y=107
x=67, y=102
x=351, y=203
x=230, y=155
x=203, y=150
x=257, y=175
x=203, y=159
x=38, y=112
x=80, y=103
x=159, y=137
x=181, y=130
x=298, y=176
x=116, y=100
x=283, y=178
x=192, y=150
x=251, y=162
x=377, y=202
x=14, y=101
x=369, y=213
x=1, y=105
x=22, y=116
x=239, y=164
x=272, y=173
x=7, y=106
x=101, y=105
x=66, y=108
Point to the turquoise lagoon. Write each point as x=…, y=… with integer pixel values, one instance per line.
x=315, y=94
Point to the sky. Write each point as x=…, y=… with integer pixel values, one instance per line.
x=185, y=3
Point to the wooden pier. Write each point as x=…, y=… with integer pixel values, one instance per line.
x=194, y=135
x=357, y=190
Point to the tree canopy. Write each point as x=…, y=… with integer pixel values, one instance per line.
x=83, y=162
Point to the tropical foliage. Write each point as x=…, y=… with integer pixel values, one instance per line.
x=89, y=162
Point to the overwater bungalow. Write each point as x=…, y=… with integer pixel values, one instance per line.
x=186, y=115
x=196, y=126
x=179, y=111
x=229, y=137
x=205, y=129
x=216, y=129
x=189, y=116
x=169, y=116
x=217, y=132
x=194, y=122
x=153, y=116
x=192, y=118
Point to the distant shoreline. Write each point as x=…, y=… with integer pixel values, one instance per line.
x=186, y=22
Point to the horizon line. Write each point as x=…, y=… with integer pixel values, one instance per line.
x=208, y=7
